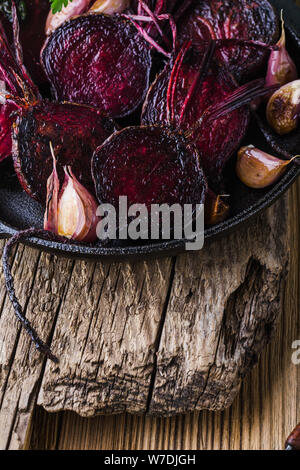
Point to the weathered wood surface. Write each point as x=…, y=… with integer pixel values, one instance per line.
x=265, y=411
x=162, y=337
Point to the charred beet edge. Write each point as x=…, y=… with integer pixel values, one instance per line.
x=75, y=132
x=117, y=58
x=148, y=165
x=240, y=19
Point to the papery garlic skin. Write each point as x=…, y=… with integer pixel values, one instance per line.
x=283, y=109
x=77, y=209
x=79, y=7
x=72, y=211
x=74, y=8
x=258, y=169
x=50, y=217
x=109, y=7
x=281, y=67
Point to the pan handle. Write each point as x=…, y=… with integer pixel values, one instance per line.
x=5, y=230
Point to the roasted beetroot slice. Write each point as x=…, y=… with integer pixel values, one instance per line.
x=75, y=132
x=149, y=165
x=32, y=35
x=215, y=142
x=98, y=60
x=233, y=19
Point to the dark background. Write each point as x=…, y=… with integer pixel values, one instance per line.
x=289, y=7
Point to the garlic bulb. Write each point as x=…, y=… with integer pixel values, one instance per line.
x=258, y=169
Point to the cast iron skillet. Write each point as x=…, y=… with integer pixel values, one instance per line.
x=18, y=211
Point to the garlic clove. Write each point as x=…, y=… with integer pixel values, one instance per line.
x=281, y=67
x=71, y=216
x=216, y=211
x=73, y=8
x=109, y=7
x=78, y=7
x=70, y=212
x=50, y=217
x=76, y=210
x=258, y=169
x=283, y=109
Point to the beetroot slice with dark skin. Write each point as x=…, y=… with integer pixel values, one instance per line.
x=149, y=165
x=217, y=141
x=98, y=60
x=239, y=19
x=75, y=132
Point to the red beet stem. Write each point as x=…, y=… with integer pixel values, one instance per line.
x=200, y=76
x=147, y=37
x=238, y=98
x=19, y=53
x=173, y=27
x=173, y=81
x=154, y=18
x=246, y=42
x=13, y=71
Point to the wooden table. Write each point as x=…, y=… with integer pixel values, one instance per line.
x=261, y=417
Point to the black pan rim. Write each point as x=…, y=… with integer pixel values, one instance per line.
x=166, y=248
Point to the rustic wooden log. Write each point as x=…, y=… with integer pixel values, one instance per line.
x=160, y=337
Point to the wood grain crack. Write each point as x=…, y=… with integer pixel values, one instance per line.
x=159, y=334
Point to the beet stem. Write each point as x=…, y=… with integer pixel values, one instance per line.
x=239, y=101
x=200, y=76
x=155, y=21
x=173, y=81
x=236, y=99
x=16, y=33
x=147, y=37
x=246, y=42
x=13, y=70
